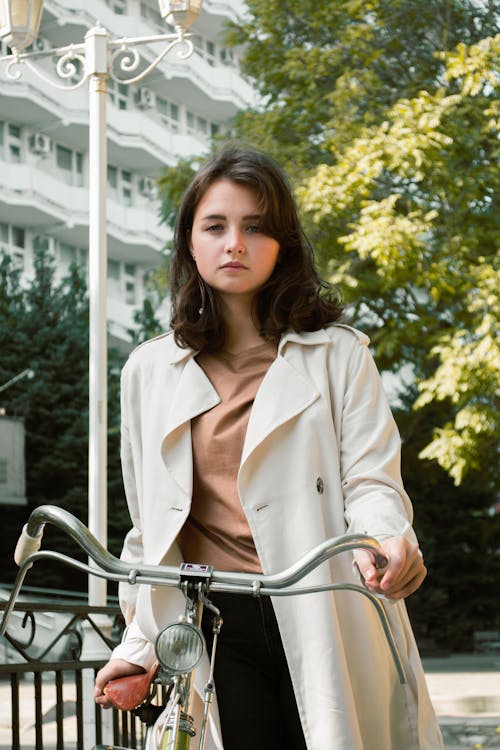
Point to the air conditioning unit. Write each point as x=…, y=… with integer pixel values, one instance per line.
x=40, y=144
x=145, y=98
x=147, y=187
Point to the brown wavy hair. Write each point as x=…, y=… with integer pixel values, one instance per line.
x=293, y=297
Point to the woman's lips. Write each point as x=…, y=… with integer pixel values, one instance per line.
x=233, y=264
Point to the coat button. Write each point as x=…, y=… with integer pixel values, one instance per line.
x=320, y=486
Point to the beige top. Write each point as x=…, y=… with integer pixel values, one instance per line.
x=217, y=531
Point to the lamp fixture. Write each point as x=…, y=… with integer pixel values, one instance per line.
x=180, y=13
x=19, y=22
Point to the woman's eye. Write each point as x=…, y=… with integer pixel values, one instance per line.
x=214, y=228
x=253, y=228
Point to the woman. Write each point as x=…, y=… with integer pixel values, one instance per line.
x=253, y=431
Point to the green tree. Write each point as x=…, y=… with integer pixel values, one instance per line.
x=326, y=70
x=409, y=210
x=50, y=321
x=459, y=539
x=415, y=196
x=146, y=323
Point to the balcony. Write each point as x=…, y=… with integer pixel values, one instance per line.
x=62, y=210
x=48, y=199
x=211, y=79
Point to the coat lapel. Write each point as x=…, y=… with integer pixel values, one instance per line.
x=194, y=394
x=284, y=393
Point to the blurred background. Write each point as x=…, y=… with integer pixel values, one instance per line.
x=385, y=116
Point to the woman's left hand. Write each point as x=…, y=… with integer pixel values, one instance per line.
x=404, y=573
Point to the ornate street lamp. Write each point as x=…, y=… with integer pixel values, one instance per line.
x=19, y=22
x=180, y=12
x=94, y=61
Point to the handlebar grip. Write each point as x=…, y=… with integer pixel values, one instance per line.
x=27, y=545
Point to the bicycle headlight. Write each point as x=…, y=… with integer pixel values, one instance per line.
x=179, y=647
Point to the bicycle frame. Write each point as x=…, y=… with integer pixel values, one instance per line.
x=196, y=582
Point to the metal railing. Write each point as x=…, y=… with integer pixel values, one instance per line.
x=47, y=676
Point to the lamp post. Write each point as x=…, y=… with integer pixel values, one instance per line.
x=93, y=61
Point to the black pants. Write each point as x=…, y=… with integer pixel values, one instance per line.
x=256, y=701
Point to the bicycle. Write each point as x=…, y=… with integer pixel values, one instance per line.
x=180, y=645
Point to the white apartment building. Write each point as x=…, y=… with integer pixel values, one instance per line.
x=44, y=142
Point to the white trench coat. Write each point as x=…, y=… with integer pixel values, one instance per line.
x=321, y=458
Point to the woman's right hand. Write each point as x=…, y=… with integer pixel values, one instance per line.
x=113, y=669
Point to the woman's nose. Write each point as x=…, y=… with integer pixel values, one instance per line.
x=235, y=242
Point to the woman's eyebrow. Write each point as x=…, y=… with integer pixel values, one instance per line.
x=248, y=217
x=213, y=216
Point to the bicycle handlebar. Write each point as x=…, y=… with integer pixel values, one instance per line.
x=32, y=533
x=110, y=567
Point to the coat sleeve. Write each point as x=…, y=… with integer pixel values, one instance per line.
x=132, y=551
x=135, y=647
x=375, y=501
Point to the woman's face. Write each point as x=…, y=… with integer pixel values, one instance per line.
x=231, y=253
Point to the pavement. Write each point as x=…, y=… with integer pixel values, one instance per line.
x=465, y=691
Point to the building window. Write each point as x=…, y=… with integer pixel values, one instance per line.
x=130, y=284
x=122, y=281
x=18, y=246
x=210, y=51
x=130, y=293
x=113, y=270
x=68, y=254
x=15, y=131
x=199, y=125
x=12, y=135
x=150, y=13
x=227, y=56
x=169, y=113
x=153, y=16
x=198, y=43
x=118, y=94
x=120, y=184
x=41, y=244
x=112, y=178
x=18, y=237
x=64, y=158
x=13, y=241
x=113, y=276
x=126, y=187
x=70, y=165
